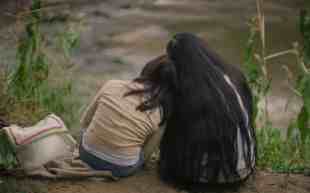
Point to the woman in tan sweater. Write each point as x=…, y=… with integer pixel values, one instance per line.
x=118, y=123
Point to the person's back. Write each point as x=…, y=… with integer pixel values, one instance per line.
x=115, y=131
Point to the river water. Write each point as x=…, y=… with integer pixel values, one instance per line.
x=118, y=37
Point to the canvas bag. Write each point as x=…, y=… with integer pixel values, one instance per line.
x=37, y=145
x=48, y=150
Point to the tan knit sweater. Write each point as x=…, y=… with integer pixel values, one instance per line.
x=114, y=128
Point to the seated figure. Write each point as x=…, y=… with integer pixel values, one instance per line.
x=123, y=117
x=209, y=136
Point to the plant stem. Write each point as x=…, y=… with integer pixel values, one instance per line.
x=302, y=67
x=278, y=54
x=261, y=27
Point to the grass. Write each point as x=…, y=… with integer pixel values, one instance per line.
x=7, y=159
x=36, y=85
x=38, y=82
x=280, y=154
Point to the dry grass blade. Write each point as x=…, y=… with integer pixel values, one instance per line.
x=278, y=54
x=261, y=21
x=261, y=28
x=300, y=61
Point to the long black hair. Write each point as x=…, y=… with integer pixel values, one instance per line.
x=159, y=79
x=201, y=111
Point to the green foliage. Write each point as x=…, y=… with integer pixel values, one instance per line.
x=34, y=87
x=304, y=27
x=281, y=155
x=250, y=65
x=57, y=99
x=32, y=67
x=302, y=84
x=253, y=67
x=25, y=80
x=7, y=153
x=32, y=80
x=290, y=154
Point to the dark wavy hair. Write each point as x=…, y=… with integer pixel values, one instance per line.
x=159, y=79
x=201, y=112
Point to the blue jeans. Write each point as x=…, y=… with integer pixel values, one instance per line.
x=99, y=164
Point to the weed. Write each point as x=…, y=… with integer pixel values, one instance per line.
x=255, y=66
x=32, y=81
x=288, y=154
x=302, y=82
x=304, y=27
x=279, y=154
x=32, y=88
x=7, y=154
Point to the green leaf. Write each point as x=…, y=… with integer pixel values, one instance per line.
x=290, y=129
x=8, y=158
x=302, y=123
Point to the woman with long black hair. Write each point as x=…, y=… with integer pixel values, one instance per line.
x=206, y=109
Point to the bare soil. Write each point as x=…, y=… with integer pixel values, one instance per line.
x=148, y=182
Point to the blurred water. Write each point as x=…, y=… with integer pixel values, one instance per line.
x=118, y=37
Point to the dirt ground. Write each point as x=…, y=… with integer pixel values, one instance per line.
x=148, y=182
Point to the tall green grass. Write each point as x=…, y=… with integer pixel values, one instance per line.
x=255, y=71
x=255, y=66
x=279, y=154
x=7, y=154
x=35, y=86
x=34, y=79
x=302, y=83
x=290, y=154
